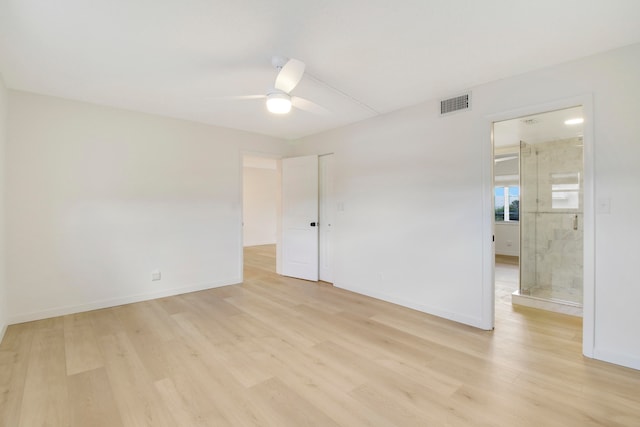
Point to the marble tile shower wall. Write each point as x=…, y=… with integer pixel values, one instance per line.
x=551, y=220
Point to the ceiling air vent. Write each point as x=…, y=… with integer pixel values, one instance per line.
x=458, y=103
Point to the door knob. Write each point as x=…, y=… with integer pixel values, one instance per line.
x=313, y=224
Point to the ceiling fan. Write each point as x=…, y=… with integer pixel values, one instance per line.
x=279, y=99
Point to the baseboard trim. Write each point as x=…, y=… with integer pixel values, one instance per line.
x=114, y=302
x=625, y=360
x=476, y=322
x=562, y=307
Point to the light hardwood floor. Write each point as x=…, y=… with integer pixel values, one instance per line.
x=276, y=351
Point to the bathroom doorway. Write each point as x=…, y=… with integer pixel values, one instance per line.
x=539, y=206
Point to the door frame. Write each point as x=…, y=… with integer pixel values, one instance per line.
x=325, y=240
x=488, y=303
x=278, y=159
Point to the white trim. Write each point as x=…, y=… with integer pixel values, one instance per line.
x=279, y=217
x=488, y=300
x=562, y=307
x=241, y=216
x=589, y=210
x=617, y=358
x=449, y=315
x=488, y=229
x=114, y=302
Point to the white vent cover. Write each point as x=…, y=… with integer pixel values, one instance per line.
x=458, y=103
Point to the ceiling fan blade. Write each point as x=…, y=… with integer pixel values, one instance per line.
x=290, y=75
x=306, y=105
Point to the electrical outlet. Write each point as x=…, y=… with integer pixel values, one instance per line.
x=155, y=275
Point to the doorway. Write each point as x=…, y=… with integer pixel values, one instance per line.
x=260, y=213
x=539, y=209
x=262, y=218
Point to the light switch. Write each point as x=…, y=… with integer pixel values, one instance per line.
x=604, y=205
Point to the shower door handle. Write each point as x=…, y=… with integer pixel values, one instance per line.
x=575, y=222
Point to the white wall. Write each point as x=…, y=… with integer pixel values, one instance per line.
x=415, y=213
x=260, y=204
x=407, y=185
x=508, y=238
x=99, y=197
x=3, y=143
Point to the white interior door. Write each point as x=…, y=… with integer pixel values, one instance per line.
x=327, y=213
x=300, y=217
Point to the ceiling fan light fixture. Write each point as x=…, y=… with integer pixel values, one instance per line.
x=278, y=103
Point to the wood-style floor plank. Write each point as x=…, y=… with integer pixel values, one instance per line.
x=81, y=347
x=92, y=400
x=281, y=406
x=276, y=351
x=136, y=398
x=14, y=361
x=45, y=400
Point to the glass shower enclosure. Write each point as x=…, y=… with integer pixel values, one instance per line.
x=551, y=220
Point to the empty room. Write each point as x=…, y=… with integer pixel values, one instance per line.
x=290, y=213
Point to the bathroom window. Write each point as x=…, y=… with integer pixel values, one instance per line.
x=507, y=203
x=565, y=190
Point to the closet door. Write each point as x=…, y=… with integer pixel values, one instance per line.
x=300, y=217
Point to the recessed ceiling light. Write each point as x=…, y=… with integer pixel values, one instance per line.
x=575, y=121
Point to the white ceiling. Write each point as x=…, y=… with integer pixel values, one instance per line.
x=549, y=126
x=364, y=57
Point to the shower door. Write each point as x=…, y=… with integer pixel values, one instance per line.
x=551, y=220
